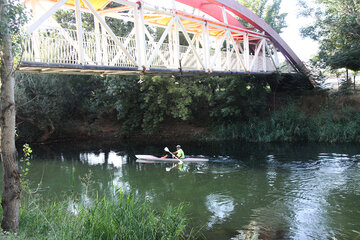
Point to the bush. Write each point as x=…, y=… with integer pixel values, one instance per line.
x=291, y=125
x=286, y=125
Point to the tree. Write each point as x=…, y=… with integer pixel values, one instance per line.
x=11, y=18
x=145, y=106
x=43, y=100
x=337, y=29
x=66, y=19
x=239, y=99
x=269, y=12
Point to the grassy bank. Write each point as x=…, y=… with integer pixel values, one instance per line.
x=291, y=124
x=119, y=217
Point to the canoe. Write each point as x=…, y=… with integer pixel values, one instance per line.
x=154, y=159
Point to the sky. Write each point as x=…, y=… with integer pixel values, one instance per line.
x=304, y=48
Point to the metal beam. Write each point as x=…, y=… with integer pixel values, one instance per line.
x=140, y=35
x=237, y=52
x=79, y=32
x=162, y=38
x=217, y=51
x=46, y=15
x=244, y=13
x=191, y=44
x=256, y=55
x=108, y=29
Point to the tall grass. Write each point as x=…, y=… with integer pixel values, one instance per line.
x=123, y=216
x=290, y=124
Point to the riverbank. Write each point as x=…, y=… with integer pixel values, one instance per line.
x=120, y=216
x=164, y=109
x=334, y=119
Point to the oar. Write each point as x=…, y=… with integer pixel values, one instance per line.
x=166, y=149
x=169, y=168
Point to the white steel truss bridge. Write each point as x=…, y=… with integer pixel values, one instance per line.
x=213, y=39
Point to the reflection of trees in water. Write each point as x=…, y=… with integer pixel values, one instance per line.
x=60, y=172
x=263, y=149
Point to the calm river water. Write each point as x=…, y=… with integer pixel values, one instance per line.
x=281, y=191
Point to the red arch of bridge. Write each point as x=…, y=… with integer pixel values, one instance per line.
x=214, y=9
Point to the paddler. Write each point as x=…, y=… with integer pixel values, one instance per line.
x=179, y=153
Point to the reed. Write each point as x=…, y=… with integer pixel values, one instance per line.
x=290, y=124
x=121, y=216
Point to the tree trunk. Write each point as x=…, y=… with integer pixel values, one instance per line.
x=11, y=180
x=354, y=81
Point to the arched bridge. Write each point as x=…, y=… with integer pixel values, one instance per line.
x=213, y=40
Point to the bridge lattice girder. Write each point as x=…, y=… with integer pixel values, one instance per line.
x=213, y=8
x=216, y=43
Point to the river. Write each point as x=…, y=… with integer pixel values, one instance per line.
x=280, y=191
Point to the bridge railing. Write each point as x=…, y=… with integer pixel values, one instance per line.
x=60, y=46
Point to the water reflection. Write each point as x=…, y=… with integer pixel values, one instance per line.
x=221, y=208
x=117, y=160
x=313, y=186
x=277, y=191
x=92, y=158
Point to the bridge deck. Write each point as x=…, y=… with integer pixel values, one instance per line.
x=51, y=68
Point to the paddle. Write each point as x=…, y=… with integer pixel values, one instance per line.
x=167, y=150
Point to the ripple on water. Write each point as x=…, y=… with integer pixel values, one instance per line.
x=221, y=206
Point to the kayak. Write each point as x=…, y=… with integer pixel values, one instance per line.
x=154, y=159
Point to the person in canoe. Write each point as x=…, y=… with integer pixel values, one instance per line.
x=179, y=153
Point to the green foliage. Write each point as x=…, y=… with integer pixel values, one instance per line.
x=145, y=105
x=336, y=28
x=337, y=126
x=286, y=125
x=123, y=95
x=164, y=97
x=66, y=18
x=239, y=99
x=270, y=12
x=12, y=17
x=46, y=100
x=119, y=217
x=25, y=161
x=124, y=217
x=346, y=58
x=237, y=107
x=291, y=125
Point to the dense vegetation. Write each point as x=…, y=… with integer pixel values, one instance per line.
x=290, y=124
x=336, y=27
x=121, y=216
x=241, y=107
x=62, y=102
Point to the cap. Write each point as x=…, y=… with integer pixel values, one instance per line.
x=178, y=146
